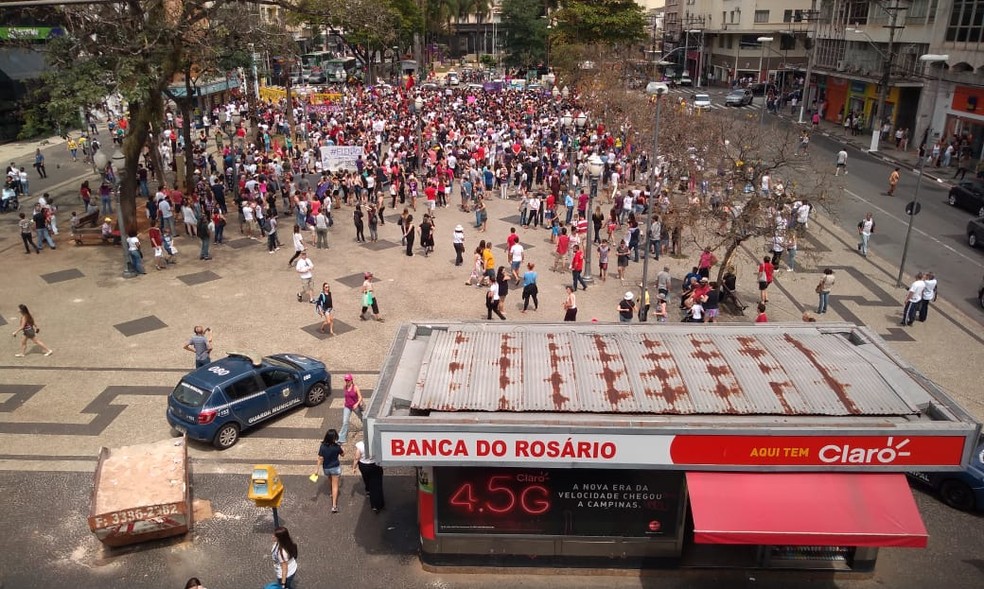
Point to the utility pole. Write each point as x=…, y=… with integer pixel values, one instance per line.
x=874, y=121
x=814, y=16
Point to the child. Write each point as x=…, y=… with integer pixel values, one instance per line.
x=761, y=318
x=555, y=227
x=169, y=248
x=695, y=314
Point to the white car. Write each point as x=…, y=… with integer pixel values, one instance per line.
x=701, y=101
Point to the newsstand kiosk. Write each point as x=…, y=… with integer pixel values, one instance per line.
x=770, y=445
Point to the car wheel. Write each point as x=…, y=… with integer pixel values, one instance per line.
x=972, y=239
x=226, y=437
x=957, y=495
x=980, y=212
x=980, y=297
x=316, y=395
x=952, y=200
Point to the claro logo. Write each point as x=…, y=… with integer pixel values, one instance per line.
x=847, y=454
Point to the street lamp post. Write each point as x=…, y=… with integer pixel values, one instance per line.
x=941, y=60
x=656, y=91
x=566, y=120
x=805, y=94
x=762, y=41
x=418, y=107
x=700, y=53
x=595, y=168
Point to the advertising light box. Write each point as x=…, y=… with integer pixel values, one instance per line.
x=557, y=502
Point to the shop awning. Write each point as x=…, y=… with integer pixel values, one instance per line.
x=805, y=509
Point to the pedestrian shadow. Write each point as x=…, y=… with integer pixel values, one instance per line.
x=393, y=530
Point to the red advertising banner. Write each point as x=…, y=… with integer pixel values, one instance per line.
x=818, y=450
x=861, y=452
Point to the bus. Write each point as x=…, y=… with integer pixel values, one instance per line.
x=342, y=70
x=312, y=64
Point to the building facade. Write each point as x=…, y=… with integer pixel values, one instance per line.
x=716, y=41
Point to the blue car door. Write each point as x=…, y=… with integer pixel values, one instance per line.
x=283, y=389
x=248, y=400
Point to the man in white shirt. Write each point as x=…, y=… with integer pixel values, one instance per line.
x=304, y=268
x=841, y=162
x=930, y=292
x=516, y=253
x=913, y=299
x=865, y=228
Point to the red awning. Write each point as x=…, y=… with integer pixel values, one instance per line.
x=805, y=509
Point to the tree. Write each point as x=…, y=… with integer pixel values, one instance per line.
x=525, y=30
x=600, y=22
x=137, y=49
x=364, y=26
x=728, y=150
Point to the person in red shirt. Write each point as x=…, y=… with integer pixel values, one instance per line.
x=765, y=271
x=560, y=254
x=761, y=318
x=512, y=239
x=577, y=267
x=431, y=193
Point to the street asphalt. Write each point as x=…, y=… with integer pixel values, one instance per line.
x=118, y=352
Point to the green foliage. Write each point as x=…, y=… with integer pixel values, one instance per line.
x=600, y=22
x=488, y=60
x=525, y=31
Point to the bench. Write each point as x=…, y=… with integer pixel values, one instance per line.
x=89, y=219
x=731, y=298
x=94, y=236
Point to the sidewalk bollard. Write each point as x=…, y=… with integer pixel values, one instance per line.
x=875, y=136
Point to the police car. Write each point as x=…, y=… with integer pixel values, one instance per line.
x=960, y=489
x=219, y=400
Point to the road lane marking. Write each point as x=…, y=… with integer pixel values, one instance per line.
x=917, y=230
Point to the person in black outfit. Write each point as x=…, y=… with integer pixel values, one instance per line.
x=503, y=282
x=372, y=477
x=427, y=235
x=360, y=236
x=409, y=231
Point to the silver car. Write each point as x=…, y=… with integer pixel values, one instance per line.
x=738, y=98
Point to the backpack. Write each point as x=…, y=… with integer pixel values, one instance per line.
x=203, y=226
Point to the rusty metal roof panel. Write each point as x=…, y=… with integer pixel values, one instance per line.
x=668, y=370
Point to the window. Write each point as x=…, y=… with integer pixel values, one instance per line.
x=243, y=388
x=792, y=16
x=787, y=42
x=721, y=42
x=966, y=20
x=761, y=16
x=730, y=42
x=272, y=378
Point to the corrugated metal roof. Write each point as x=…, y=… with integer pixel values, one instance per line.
x=669, y=370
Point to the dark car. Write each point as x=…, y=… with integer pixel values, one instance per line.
x=975, y=232
x=980, y=293
x=216, y=402
x=962, y=489
x=969, y=195
x=761, y=89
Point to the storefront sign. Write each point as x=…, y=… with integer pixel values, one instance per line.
x=624, y=503
x=29, y=33
x=861, y=452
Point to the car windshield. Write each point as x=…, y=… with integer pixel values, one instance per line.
x=737, y=93
x=281, y=362
x=189, y=395
x=702, y=98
